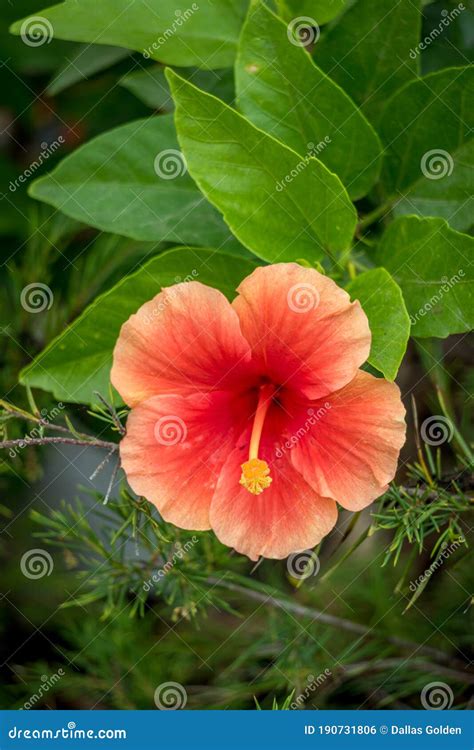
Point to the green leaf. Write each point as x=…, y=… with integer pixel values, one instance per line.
x=280, y=206
x=112, y=183
x=282, y=92
x=449, y=196
x=151, y=87
x=321, y=11
x=78, y=362
x=204, y=34
x=433, y=265
x=368, y=51
x=382, y=301
x=426, y=126
x=88, y=60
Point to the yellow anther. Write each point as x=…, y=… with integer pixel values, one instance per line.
x=255, y=476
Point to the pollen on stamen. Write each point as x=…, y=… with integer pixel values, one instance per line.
x=255, y=476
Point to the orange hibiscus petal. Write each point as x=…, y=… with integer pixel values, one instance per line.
x=187, y=338
x=347, y=445
x=288, y=516
x=175, y=448
x=302, y=328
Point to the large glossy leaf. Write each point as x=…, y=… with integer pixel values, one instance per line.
x=368, y=50
x=88, y=60
x=382, y=301
x=450, y=196
x=281, y=91
x=78, y=362
x=434, y=267
x=133, y=181
x=279, y=205
x=319, y=11
x=426, y=126
x=203, y=33
x=151, y=86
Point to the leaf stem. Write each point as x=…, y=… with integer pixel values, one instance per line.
x=373, y=216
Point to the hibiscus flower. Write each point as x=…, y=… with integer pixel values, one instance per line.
x=252, y=418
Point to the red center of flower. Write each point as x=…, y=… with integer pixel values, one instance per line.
x=256, y=472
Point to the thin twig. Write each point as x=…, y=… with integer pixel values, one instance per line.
x=59, y=440
x=423, y=666
x=100, y=466
x=354, y=627
x=112, y=478
x=41, y=421
x=112, y=412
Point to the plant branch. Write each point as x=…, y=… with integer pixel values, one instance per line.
x=353, y=627
x=20, y=414
x=59, y=440
x=112, y=413
x=420, y=665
